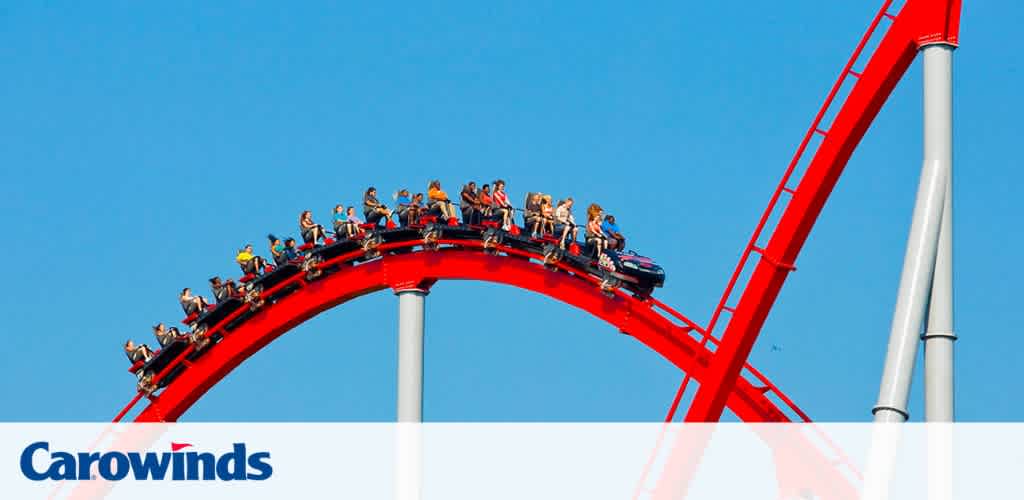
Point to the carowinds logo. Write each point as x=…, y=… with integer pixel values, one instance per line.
x=38, y=463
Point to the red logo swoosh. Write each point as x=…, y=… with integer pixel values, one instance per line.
x=178, y=446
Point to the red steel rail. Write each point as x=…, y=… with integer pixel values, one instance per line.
x=919, y=23
x=655, y=324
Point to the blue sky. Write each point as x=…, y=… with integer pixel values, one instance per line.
x=141, y=145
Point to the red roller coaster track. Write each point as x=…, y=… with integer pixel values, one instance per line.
x=649, y=321
x=919, y=23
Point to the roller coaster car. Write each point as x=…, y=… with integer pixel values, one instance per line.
x=523, y=242
x=400, y=234
x=158, y=363
x=338, y=248
x=637, y=272
x=275, y=277
x=641, y=268
x=220, y=312
x=462, y=232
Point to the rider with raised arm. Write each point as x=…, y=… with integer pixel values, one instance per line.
x=373, y=210
x=439, y=201
x=311, y=231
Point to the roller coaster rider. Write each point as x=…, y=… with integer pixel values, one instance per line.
x=595, y=237
x=311, y=231
x=291, y=253
x=222, y=290
x=276, y=251
x=486, y=202
x=164, y=336
x=352, y=219
x=136, y=353
x=616, y=241
x=471, y=213
x=547, y=217
x=565, y=223
x=440, y=203
x=192, y=304
x=342, y=227
x=373, y=210
x=532, y=217
x=502, y=205
x=249, y=262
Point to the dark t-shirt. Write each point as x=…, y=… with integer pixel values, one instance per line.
x=468, y=199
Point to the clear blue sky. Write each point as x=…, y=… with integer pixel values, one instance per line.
x=140, y=145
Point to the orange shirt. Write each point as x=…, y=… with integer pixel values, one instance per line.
x=435, y=194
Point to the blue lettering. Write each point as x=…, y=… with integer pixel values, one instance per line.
x=107, y=462
x=26, y=461
x=85, y=461
x=208, y=461
x=236, y=457
x=178, y=471
x=258, y=461
x=63, y=466
x=152, y=465
x=235, y=465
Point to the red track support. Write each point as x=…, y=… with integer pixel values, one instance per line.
x=921, y=22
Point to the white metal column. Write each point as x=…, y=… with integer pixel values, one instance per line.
x=919, y=260
x=410, y=355
x=939, y=335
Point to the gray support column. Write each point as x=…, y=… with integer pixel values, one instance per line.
x=939, y=334
x=919, y=260
x=410, y=354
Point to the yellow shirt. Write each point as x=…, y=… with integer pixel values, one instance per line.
x=243, y=257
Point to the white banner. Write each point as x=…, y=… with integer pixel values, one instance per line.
x=510, y=461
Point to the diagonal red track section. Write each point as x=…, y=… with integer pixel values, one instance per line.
x=921, y=22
